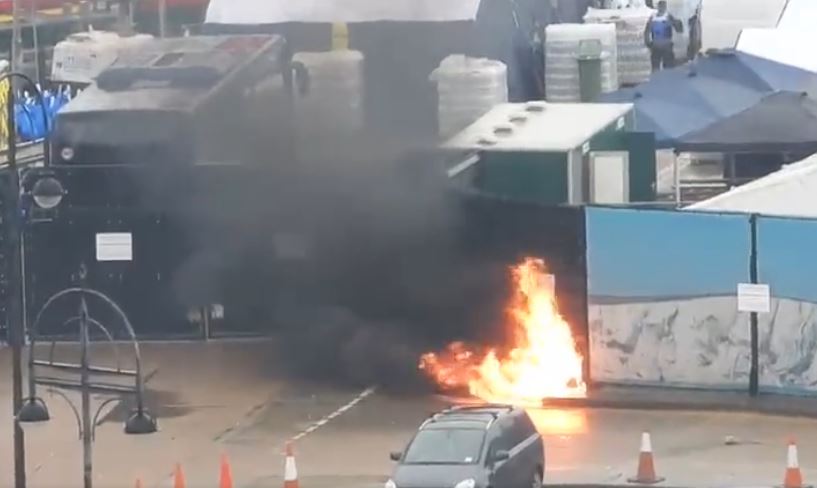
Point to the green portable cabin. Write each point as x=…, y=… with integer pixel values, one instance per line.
x=556, y=154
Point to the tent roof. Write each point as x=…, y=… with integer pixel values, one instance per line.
x=780, y=122
x=798, y=15
x=790, y=192
x=282, y=11
x=560, y=127
x=722, y=20
x=687, y=98
x=792, y=47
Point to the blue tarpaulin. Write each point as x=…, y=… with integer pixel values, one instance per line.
x=691, y=97
x=32, y=122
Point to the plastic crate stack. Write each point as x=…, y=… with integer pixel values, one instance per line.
x=561, y=59
x=467, y=88
x=633, y=55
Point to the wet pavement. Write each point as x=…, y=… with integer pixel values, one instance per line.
x=225, y=398
x=653, y=398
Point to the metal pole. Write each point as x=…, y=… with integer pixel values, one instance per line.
x=16, y=38
x=16, y=328
x=676, y=176
x=86, y=393
x=162, y=18
x=754, y=371
x=36, y=37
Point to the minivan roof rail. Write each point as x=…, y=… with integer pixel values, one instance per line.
x=480, y=406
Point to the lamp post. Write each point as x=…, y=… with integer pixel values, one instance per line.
x=42, y=188
x=11, y=222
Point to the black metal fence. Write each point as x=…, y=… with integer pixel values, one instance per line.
x=489, y=235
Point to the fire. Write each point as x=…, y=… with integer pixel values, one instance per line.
x=540, y=362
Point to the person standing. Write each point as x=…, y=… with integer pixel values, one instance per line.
x=658, y=37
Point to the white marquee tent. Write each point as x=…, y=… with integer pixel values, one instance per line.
x=790, y=192
x=798, y=15
x=792, y=47
x=791, y=41
x=723, y=20
x=238, y=12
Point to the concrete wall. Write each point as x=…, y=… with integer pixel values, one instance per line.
x=662, y=298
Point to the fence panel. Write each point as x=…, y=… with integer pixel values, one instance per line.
x=662, y=301
x=788, y=335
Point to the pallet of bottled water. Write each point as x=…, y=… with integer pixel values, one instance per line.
x=634, y=64
x=562, y=43
x=467, y=88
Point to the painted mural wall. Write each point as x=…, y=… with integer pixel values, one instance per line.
x=788, y=335
x=662, y=298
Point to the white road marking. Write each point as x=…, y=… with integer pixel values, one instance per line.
x=337, y=413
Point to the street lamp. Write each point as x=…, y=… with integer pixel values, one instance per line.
x=42, y=189
x=47, y=192
x=11, y=221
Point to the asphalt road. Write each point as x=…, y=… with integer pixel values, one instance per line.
x=225, y=398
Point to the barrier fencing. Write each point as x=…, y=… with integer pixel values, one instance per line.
x=663, y=304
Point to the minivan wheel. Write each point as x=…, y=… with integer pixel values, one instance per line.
x=536, y=481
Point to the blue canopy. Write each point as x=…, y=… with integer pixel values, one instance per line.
x=691, y=97
x=781, y=122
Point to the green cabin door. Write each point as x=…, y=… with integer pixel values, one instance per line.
x=641, y=147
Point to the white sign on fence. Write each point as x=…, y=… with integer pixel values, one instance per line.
x=754, y=298
x=115, y=246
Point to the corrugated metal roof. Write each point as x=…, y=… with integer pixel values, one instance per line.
x=538, y=126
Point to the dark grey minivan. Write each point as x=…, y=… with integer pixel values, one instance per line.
x=475, y=446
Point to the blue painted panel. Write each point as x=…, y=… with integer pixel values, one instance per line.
x=648, y=254
x=787, y=257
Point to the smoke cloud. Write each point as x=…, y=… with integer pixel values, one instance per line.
x=349, y=251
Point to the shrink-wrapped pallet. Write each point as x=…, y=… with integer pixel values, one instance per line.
x=562, y=43
x=633, y=55
x=467, y=88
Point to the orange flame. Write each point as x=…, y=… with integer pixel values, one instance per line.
x=541, y=361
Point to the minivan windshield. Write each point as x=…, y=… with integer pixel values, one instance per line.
x=445, y=446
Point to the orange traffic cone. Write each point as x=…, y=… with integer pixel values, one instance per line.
x=646, y=464
x=290, y=470
x=226, y=478
x=793, y=478
x=178, y=477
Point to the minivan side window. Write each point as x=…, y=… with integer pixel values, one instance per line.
x=502, y=439
x=522, y=429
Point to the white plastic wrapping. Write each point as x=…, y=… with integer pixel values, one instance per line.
x=561, y=59
x=467, y=88
x=333, y=105
x=633, y=55
x=81, y=57
x=680, y=40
